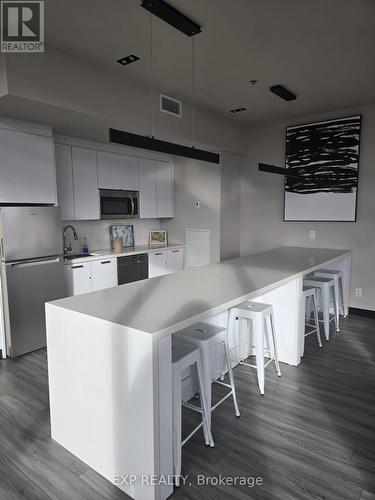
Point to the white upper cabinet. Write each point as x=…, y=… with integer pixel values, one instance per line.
x=147, y=188
x=117, y=171
x=85, y=184
x=64, y=174
x=164, y=189
x=156, y=188
x=27, y=167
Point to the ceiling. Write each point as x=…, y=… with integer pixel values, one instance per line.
x=323, y=50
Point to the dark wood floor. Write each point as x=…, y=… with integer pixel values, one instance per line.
x=312, y=436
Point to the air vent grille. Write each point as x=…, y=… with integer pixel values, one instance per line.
x=170, y=106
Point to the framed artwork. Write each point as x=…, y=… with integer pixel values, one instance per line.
x=125, y=231
x=158, y=238
x=325, y=158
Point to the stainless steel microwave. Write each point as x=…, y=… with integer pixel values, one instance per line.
x=119, y=204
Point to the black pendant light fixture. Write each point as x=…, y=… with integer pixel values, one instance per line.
x=286, y=95
x=179, y=21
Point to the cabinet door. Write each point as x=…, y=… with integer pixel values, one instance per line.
x=157, y=263
x=117, y=171
x=164, y=189
x=78, y=278
x=27, y=168
x=64, y=174
x=103, y=273
x=147, y=188
x=175, y=260
x=85, y=183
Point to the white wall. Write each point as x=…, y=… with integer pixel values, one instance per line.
x=97, y=232
x=195, y=180
x=63, y=81
x=262, y=204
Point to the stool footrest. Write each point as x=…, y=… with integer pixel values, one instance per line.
x=191, y=434
x=221, y=401
x=192, y=407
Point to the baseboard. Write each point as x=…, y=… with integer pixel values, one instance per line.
x=362, y=312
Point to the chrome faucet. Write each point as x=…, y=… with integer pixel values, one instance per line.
x=75, y=236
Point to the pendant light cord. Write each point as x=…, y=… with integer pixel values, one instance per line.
x=193, y=90
x=151, y=79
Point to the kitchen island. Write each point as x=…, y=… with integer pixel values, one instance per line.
x=109, y=355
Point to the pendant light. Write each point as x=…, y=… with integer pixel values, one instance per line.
x=150, y=143
x=286, y=95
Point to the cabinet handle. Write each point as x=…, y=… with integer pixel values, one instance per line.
x=159, y=253
x=77, y=267
x=106, y=262
x=175, y=251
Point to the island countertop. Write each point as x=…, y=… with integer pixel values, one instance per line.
x=161, y=305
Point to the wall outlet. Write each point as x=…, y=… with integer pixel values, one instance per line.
x=197, y=204
x=359, y=292
x=312, y=234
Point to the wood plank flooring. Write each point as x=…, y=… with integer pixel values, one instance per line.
x=312, y=436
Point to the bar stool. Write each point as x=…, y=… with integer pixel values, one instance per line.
x=261, y=317
x=209, y=339
x=185, y=356
x=309, y=296
x=327, y=293
x=337, y=276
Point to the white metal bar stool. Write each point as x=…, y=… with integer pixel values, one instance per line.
x=210, y=338
x=337, y=276
x=261, y=317
x=184, y=356
x=327, y=294
x=309, y=299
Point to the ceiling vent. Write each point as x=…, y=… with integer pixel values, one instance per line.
x=170, y=106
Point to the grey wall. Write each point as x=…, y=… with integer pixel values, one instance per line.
x=262, y=204
x=230, y=207
x=196, y=181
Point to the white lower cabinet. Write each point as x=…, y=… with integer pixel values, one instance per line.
x=175, y=260
x=91, y=276
x=165, y=262
x=103, y=273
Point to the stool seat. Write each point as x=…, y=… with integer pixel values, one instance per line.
x=249, y=308
x=200, y=332
x=181, y=351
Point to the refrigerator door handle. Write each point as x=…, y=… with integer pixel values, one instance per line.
x=1, y=249
x=36, y=262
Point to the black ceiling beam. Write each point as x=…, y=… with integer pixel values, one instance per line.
x=172, y=16
x=142, y=142
x=272, y=169
x=283, y=92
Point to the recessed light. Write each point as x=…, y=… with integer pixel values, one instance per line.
x=128, y=59
x=237, y=110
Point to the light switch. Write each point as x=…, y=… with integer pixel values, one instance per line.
x=312, y=235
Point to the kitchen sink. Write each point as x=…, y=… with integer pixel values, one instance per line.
x=72, y=256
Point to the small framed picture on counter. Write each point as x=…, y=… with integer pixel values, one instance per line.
x=158, y=238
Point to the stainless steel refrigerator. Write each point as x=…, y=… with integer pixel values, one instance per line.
x=32, y=273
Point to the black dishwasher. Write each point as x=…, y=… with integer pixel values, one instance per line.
x=132, y=268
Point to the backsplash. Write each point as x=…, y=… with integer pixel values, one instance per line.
x=97, y=232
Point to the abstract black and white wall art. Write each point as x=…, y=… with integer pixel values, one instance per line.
x=325, y=158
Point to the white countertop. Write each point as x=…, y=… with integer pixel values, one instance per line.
x=161, y=305
x=109, y=253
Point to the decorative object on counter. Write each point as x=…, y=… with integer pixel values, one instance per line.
x=324, y=156
x=158, y=238
x=84, y=245
x=118, y=244
x=124, y=231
